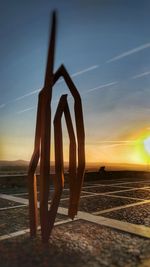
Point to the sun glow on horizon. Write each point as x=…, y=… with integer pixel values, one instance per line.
x=133, y=150
x=147, y=145
x=141, y=150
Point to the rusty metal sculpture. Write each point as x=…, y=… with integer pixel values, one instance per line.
x=42, y=149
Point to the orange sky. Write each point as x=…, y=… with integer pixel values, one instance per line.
x=107, y=58
x=131, y=150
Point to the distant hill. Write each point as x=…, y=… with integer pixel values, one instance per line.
x=117, y=166
x=14, y=163
x=90, y=166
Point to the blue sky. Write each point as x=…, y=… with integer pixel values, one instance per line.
x=104, y=43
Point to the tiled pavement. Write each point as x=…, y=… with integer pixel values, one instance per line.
x=125, y=200
x=122, y=205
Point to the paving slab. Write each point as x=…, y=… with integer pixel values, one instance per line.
x=137, y=193
x=16, y=219
x=7, y=203
x=104, y=189
x=13, y=190
x=98, y=203
x=137, y=215
x=65, y=194
x=140, y=185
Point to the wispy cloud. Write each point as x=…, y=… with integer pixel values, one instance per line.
x=85, y=70
x=81, y=72
x=19, y=98
x=101, y=86
x=25, y=110
x=2, y=105
x=37, y=91
x=113, y=143
x=26, y=95
x=140, y=75
x=117, y=141
x=88, y=91
x=129, y=52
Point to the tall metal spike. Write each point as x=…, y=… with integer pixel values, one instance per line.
x=43, y=144
x=51, y=53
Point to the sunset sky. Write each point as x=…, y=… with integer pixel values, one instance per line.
x=105, y=46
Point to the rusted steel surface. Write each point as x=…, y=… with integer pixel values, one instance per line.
x=62, y=72
x=59, y=168
x=42, y=148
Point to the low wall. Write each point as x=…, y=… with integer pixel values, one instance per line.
x=20, y=180
x=17, y=180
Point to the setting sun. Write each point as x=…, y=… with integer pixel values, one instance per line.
x=141, y=149
x=147, y=145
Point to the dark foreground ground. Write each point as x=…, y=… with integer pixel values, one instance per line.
x=112, y=228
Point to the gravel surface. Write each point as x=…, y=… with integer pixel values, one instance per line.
x=77, y=244
x=124, y=180
x=109, y=181
x=140, y=193
x=138, y=184
x=12, y=190
x=104, y=189
x=65, y=194
x=7, y=203
x=137, y=215
x=118, y=181
x=17, y=219
x=98, y=203
x=13, y=220
x=26, y=196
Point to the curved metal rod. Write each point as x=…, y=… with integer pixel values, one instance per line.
x=59, y=165
x=72, y=158
x=62, y=72
x=33, y=210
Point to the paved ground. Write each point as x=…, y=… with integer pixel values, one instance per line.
x=112, y=228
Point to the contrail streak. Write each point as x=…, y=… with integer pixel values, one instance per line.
x=37, y=91
x=101, y=86
x=20, y=98
x=86, y=92
x=84, y=71
x=141, y=75
x=26, y=95
x=129, y=52
x=24, y=110
x=81, y=72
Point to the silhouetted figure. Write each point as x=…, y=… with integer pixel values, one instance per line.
x=102, y=172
